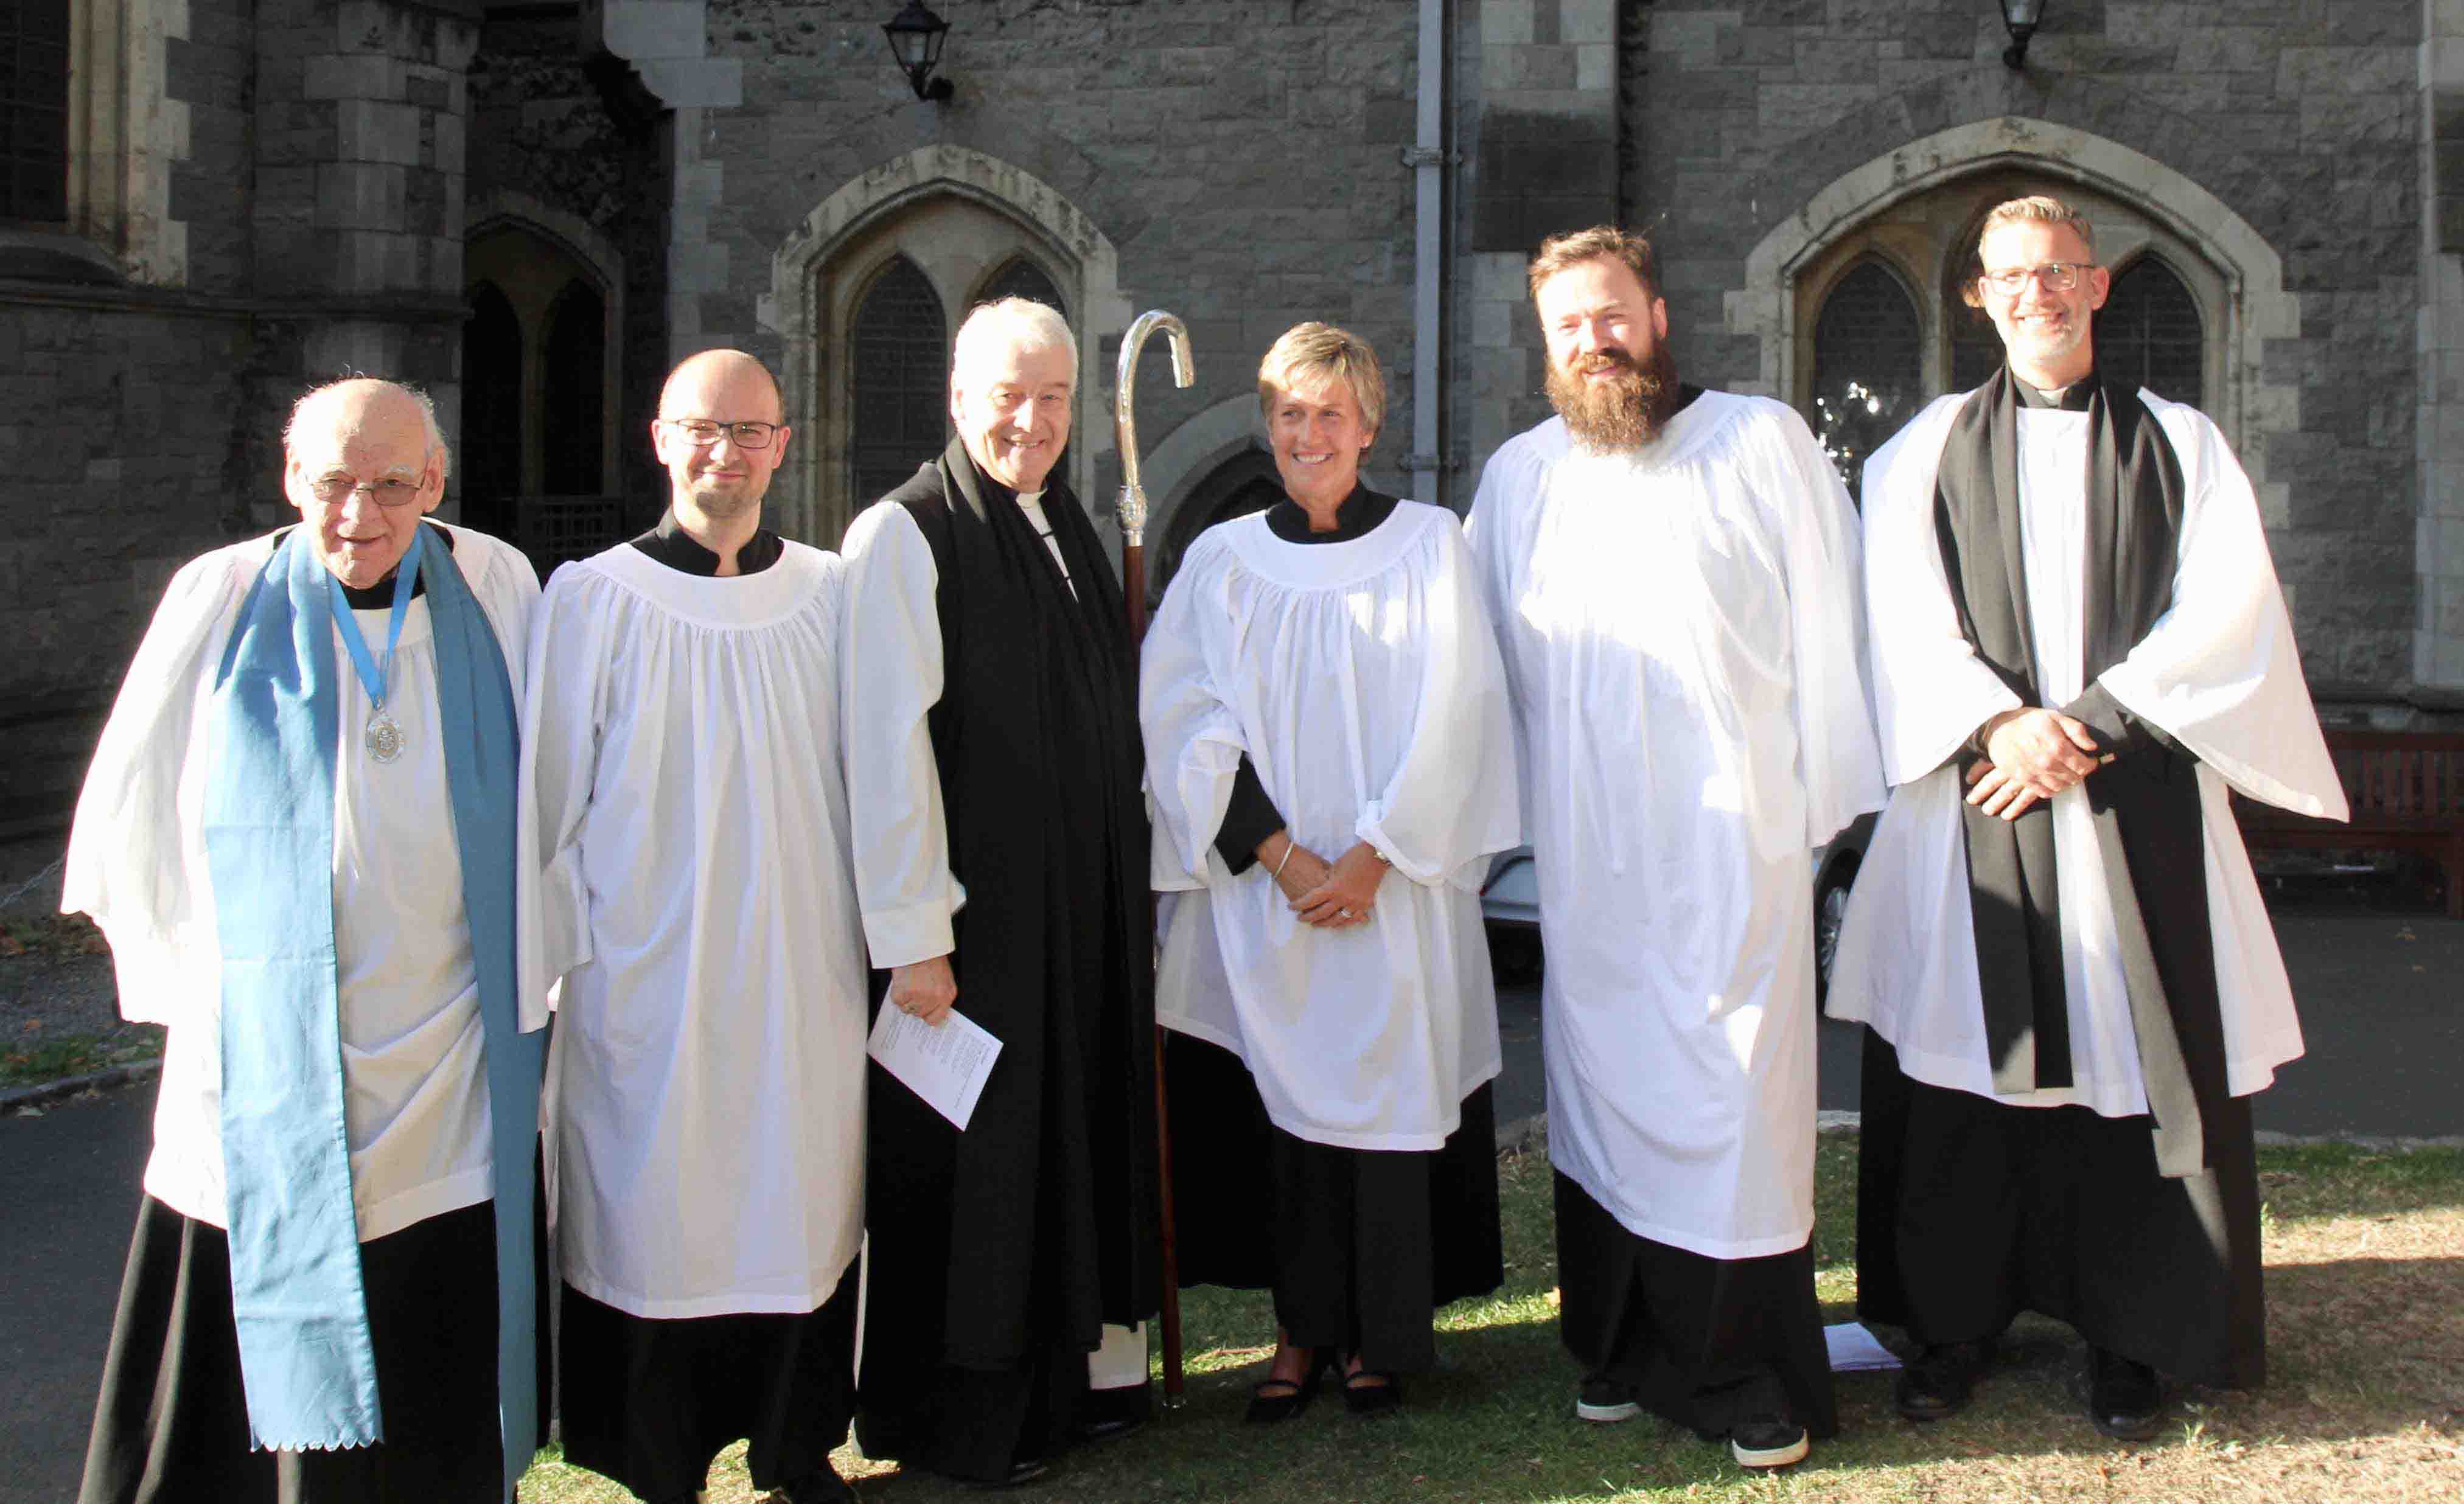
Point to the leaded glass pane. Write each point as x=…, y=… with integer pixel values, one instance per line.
x=1867, y=366
x=2148, y=334
x=34, y=110
x=899, y=413
x=1020, y=277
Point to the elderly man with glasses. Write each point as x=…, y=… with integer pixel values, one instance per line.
x=685, y=819
x=2078, y=651
x=299, y=836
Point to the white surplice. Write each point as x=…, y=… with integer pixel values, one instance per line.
x=683, y=804
x=1362, y=680
x=2218, y=672
x=415, y=1098
x=1682, y=638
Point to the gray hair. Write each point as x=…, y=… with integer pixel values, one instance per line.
x=1014, y=324
x=425, y=405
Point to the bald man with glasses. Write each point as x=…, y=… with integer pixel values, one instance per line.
x=686, y=819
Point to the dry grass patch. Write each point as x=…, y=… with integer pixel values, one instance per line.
x=2366, y=1285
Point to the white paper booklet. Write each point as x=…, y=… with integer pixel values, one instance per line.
x=946, y=1066
x=1853, y=1350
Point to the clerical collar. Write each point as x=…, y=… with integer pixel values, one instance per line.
x=1357, y=516
x=669, y=544
x=379, y=596
x=2074, y=398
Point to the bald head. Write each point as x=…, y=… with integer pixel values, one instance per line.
x=730, y=370
x=719, y=433
x=364, y=462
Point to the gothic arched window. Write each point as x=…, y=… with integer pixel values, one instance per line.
x=1020, y=277
x=900, y=407
x=2148, y=334
x=490, y=464
x=576, y=392
x=1868, y=366
x=34, y=111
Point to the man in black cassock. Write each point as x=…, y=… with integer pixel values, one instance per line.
x=1001, y=852
x=2079, y=649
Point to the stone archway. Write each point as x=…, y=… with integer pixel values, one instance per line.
x=798, y=308
x=2258, y=307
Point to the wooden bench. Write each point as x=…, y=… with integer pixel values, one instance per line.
x=2407, y=790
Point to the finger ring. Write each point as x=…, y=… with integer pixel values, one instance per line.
x=1342, y=913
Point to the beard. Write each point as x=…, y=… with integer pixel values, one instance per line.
x=726, y=503
x=1625, y=413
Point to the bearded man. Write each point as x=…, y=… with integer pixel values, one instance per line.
x=2057, y=941
x=1673, y=574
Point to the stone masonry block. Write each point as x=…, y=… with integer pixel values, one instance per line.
x=639, y=30
x=1596, y=67
x=1528, y=67
x=1583, y=21
x=1505, y=22
x=449, y=150
x=377, y=130
x=375, y=261
x=361, y=195
x=355, y=75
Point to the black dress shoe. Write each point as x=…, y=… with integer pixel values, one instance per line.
x=1110, y=1414
x=1941, y=1380
x=1289, y=1399
x=2124, y=1398
x=1369, y=1393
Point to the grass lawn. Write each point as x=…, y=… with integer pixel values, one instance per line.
x=2366, y=1400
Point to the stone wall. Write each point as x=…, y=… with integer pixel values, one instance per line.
x=2301, y=117
x=1241, y=157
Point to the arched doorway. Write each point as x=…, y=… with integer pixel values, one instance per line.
x=538, y=419
x=1244, y=484
x=972, y=228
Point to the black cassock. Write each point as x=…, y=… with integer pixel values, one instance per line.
x=2143, y=1231
x=995, y=1254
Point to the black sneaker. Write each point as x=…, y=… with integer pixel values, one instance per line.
x=2124, y=1398
x=1767, y=1441
x=1939, y=1380
x=1605, y=1402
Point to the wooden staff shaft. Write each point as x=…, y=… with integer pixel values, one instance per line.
x=1133, y=590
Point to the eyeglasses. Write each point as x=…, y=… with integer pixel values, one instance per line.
x=701, y=432
x=331, y=489
x=2056, y=277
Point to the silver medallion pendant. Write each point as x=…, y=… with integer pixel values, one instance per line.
x=385, y=738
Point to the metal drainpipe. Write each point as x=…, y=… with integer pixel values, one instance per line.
x=1427, y=159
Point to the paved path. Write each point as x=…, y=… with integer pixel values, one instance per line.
x=2382, y=1003
x=71, y=1199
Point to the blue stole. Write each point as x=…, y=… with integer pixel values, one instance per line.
x=297, y=1298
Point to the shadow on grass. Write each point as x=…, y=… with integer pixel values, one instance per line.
x=2367, y=1346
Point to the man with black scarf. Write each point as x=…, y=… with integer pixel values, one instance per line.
x=1001, y=852
x=2078, y=650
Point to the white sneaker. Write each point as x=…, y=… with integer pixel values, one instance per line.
x=1769, y=1440
x=1604, y=1402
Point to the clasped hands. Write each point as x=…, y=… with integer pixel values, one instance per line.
x=2033, y=754
x=1330, y=896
